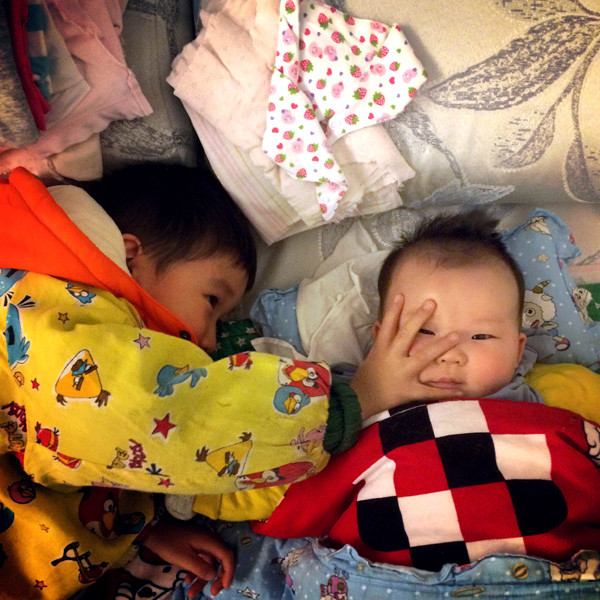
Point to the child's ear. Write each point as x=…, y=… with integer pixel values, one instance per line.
x=133, y=246
x=522, y=342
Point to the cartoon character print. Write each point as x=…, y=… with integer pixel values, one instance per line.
x=16, y=343
x=283, y=475
x=134, y=582
x=82, y=295
x=119, y=460
x=15, y=429
x=539, y=310
x=87, y=571
x=99, y=512
x=228, y=461
x=584, y=566
x=582, y=299
x=336, y=589
x=169, y=376
x=242, y=360
x=22, y=491
x=592, y=436
x=307, y=442
x=8, y=278
x=300, y=383
x=287, y=561
x=539, y=224
x=49, y=438
x=80, y=380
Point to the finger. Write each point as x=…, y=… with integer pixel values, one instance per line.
x=413, y=324
x=391, y=320
x=427, y=353
x=196, y=587
x=217, y=586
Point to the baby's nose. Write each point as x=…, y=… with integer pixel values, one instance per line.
x=454, y=355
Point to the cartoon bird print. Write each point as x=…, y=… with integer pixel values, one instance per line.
x=303, y=375
x=80, y=294
x=290, y=400
x=16, y=343
x=80, y=380
x=99, y=512
x=229, y=460
x=8, y=278
x=283, y=475
x=242, y=360
x=49, y=439
x=169, y=376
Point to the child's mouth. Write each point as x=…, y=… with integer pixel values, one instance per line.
x=445, y=384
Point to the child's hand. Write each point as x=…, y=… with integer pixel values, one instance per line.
x=389, y=376
x=196, y=550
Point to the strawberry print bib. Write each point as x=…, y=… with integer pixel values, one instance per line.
x=333, y=74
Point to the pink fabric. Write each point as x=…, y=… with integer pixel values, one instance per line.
x=89, y=31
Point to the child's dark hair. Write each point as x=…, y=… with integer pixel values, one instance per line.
x=178, y=213
x=452, y=240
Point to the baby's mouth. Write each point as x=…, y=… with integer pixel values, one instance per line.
x=445, y=383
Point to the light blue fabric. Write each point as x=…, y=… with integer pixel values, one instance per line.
x=275, y=312
x=542, y=247
x=274, y=569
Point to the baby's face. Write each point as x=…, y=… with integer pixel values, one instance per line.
x=477, y=301
x=199, y=291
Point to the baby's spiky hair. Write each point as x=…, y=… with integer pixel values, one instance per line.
x=452, y=240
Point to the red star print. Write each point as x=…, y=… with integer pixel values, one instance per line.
x=163, y=425
x=35, y=384
x=40, y=585
x=166, y=482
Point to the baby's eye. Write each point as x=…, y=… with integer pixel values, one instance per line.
x=426, y=332
x=482, y=336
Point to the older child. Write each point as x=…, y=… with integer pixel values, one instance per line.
x=106, y=381
x=437, y=481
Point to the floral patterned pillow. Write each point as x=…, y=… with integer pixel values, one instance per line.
x=509, y=108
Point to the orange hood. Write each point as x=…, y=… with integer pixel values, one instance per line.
x=37, y=235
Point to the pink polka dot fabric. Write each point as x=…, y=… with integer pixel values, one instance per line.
x=333, y=74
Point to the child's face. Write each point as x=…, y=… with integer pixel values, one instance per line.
x=199, y=291
x=477, y=301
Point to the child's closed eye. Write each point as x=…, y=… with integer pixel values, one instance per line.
x=426, y=332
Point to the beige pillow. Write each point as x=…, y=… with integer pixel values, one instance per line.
x=510, y=107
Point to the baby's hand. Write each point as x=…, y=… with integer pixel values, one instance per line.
x=196, y=550
x=389, y=376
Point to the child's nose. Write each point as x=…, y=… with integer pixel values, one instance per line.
x=208, y=341
x=454, y=355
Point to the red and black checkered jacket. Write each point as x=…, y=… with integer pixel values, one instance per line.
x=453, y=481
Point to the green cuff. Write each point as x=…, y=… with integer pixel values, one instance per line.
x=344, y=419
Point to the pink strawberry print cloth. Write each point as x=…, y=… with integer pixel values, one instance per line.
x=333, y=74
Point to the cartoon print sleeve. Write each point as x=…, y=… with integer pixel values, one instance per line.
x=110, y=403
x=312, y=507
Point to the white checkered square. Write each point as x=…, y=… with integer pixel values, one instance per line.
x=523, y=456
x=379, y=480
x=457, y=417
x=430, y=518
